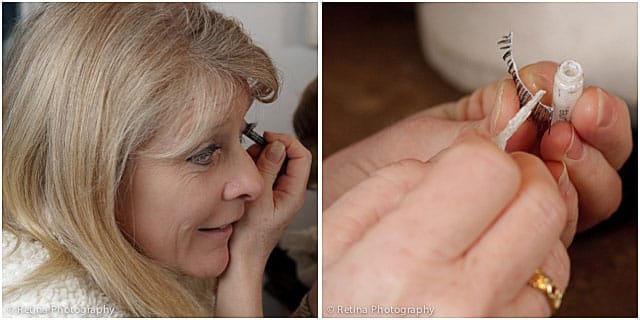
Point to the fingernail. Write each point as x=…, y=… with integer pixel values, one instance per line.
x=563, y=180
x=604, y=112
x=275, y=152
x=564, y=176
x=574, y=151
x=559, y=171
x=536, y=79
x=531, y=80
x=497, y=109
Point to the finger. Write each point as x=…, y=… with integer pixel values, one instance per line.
x=570, y=197
x=535, y=77
x=385, y=147
x=598, y=184
x=294, y=180
x=523, y=235
x=353, y=214
x=506, y=105
x=530, y=302
x=539, y=76
x=270, y=161
x=476, y=106
x=603, y=121
x=600, y=118
x=448, y=210
x=254, y=151
x=494, y=105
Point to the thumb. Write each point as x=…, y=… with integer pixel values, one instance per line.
x=505, y=106
x=270, y=161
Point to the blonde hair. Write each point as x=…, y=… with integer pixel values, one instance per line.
x=85, y=87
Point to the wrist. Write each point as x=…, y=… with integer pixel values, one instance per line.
x=251, y=253
x=239, y=292
x=245, y=264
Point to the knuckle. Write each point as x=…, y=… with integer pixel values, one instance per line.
x=541, y=306
x=612, y=202
x=553, y=213
x=306, y=153
x=400, y=175
x=493, y=164
x=625, y=150
x=269, y=170
x=477, y=151
x=561, y=265
x=543, y=196
x=409, y=165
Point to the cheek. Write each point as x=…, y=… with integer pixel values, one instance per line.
x=163, y=215
x=168, y=213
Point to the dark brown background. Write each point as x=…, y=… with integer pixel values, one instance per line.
x=374, y=75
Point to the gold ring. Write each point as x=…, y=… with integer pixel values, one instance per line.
x=543, y=283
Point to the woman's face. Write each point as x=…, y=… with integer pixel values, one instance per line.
x=181, y=212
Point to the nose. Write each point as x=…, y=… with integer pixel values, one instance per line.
x=245, y=182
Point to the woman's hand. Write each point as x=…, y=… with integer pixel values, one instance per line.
x=593, y=146
x=265, y=220
x=268, y=216
x=461, y=233
x=601, y=123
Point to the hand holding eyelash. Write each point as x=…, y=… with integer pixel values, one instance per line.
x=600, y=129
x=592, y=146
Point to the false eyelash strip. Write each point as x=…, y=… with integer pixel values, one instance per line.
x=542, y=114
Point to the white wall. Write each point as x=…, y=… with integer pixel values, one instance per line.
x=459, y=40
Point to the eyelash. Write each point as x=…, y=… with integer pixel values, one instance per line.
x=203, y=157
x=542, y=113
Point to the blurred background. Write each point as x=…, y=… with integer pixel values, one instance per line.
x=384, y=62
x=288, y=32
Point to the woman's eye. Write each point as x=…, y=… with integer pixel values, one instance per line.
x=204, y=157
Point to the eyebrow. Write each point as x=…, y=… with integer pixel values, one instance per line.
x=217, y=124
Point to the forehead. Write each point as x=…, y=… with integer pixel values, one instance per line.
x=207, y=114
x=198, y=117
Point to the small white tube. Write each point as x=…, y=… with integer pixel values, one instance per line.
x=567, y=88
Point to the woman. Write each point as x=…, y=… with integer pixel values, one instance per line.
x=125, y=184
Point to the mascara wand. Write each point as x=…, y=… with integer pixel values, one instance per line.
x=258, y=139
x=251, y=134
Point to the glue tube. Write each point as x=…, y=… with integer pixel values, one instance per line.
x=567, y=88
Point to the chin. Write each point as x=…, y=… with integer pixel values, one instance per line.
x=211, y=266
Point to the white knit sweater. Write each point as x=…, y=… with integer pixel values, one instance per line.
x=66, y=296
